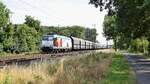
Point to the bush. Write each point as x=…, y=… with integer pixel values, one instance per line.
x=139, y=45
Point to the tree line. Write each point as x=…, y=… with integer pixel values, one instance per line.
x=26, y=37
x=75, y=31
x=127, y=23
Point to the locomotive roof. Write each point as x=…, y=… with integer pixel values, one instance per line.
x=55, y=35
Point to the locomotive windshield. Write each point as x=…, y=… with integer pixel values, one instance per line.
x=47, y=38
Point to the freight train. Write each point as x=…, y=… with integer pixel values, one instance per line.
x=62, y=43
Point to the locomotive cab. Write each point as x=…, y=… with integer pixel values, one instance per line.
x=47, y=43
x=56, y=43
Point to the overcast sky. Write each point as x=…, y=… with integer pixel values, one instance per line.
x=58, y=12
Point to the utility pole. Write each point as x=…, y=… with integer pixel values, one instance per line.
x=93, y=38
x=107, y=43
x=58, y=32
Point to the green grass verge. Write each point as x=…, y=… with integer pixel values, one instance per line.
x=120, y=72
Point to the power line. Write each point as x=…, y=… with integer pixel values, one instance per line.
x=45, y=12
x=41, y=10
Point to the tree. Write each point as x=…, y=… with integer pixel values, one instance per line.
x=37, y=30
x=4, y=20
x=136, y=45
x=9, y=42
x=77, y=31
x=132, y=16
x=4, y=15
x=66, y=31
x=31, y=22
x=21, y=38
x=25, y=39
x=145, y=44
x=90, y=34
x=140, y=45
x=110, y=29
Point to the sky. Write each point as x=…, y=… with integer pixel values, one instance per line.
x=58, y=13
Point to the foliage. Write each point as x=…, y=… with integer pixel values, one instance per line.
x=90, y=34
x=76, y=31
x=140, y=45
x=135, y=45
x=18, y=38
x=9, y=41
x=31, y=22
x=132, y=18
x=26, y=40
x=37, y=30
x=4, y=20
x=110, y=29
x=4, y=15
x=145, y=45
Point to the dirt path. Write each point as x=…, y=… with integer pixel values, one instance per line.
x=141, y=67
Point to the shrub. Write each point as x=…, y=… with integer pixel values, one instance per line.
x=139, y=45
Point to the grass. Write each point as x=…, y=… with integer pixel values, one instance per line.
x=99, y=68
x=88, y=69
x=120, y=72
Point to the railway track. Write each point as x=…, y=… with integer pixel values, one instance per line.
x=27, y=59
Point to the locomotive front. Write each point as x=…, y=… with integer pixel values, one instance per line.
x=47, y=43
x=56, y=43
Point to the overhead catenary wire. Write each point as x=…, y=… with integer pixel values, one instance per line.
x=43, y=11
